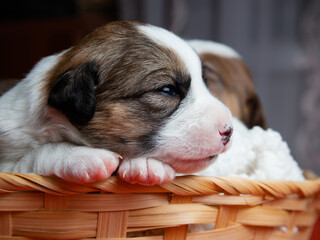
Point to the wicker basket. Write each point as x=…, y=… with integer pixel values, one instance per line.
x=32, y=206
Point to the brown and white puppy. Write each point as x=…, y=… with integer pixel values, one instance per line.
x=229, y=79
x=129, y=96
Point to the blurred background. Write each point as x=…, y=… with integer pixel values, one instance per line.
x=278, y=39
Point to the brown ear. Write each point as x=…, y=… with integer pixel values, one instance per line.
x=73, y=93
x=255, y=113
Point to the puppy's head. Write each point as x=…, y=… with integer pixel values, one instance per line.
x=138, y=90
x=229, y=79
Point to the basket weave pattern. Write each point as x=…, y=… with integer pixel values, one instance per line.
x=32, y=206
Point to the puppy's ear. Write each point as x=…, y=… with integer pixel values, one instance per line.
x=74, y=95
x=255, y=112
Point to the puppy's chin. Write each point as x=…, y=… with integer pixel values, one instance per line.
x=192, y=165
x=193, y=155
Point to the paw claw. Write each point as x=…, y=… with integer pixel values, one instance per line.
x=84, y=178
x=124, y=174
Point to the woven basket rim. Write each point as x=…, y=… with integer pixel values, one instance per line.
x=183, y=185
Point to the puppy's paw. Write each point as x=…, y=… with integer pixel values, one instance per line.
x=85, y=165
x=145, y=171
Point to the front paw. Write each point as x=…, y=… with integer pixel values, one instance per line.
x=86, y=165
x=145, y=171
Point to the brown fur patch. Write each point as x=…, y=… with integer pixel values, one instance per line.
x=132, y=69
x=230, y=80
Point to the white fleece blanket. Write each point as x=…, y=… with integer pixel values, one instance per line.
x=256, y=154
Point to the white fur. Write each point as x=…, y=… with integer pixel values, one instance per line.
x=256, y=154
x=20, y=112
x=218, y=48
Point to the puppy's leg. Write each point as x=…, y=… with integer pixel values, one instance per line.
x=145, y=171
x=72, y=163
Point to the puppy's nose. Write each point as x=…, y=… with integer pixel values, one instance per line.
x=225, y=134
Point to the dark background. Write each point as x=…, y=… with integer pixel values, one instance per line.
x=278, y=39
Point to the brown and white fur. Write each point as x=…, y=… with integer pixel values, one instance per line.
x=129, y=96
x=229, y=79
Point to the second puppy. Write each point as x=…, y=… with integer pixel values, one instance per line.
x=229, y=79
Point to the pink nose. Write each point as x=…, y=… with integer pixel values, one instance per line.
x=225, y=134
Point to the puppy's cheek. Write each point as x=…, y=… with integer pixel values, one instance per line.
x=85, y=165
x=145, y=171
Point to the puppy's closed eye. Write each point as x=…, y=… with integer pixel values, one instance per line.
x=169, y=91
x=210, y=74
x=161, y=102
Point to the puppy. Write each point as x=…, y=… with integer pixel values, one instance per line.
x=129, y=96
x=229, y=79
